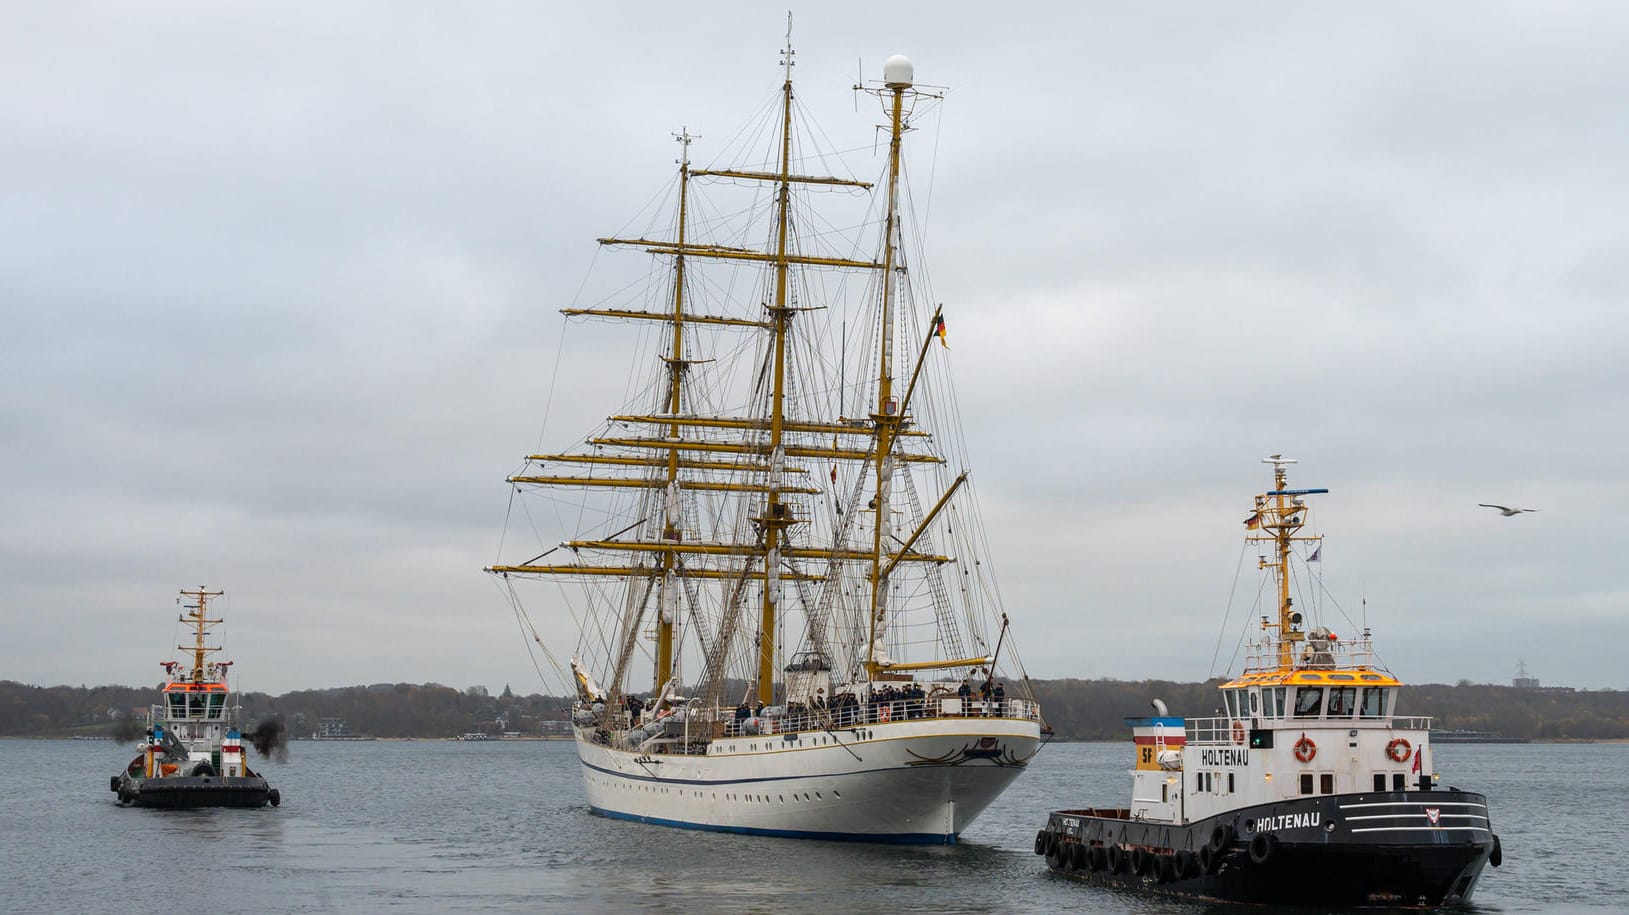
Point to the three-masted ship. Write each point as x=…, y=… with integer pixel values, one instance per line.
x=1311, y=789
x=192, y=753
x=779, y=532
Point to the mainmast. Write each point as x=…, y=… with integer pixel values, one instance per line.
x=1282, y=512
x=776, y=518
x=197, y=615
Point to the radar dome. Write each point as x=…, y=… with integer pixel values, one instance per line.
x=897, y=71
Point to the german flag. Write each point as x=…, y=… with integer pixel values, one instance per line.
x=1253, y=522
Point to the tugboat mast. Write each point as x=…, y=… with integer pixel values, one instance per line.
x=1282, y=512
x=197, y=615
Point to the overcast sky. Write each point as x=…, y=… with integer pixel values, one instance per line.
x=280, y=290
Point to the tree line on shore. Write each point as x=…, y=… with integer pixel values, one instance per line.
x=1075, y=709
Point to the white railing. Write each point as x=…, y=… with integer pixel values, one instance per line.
x=1217, y=731
x=1356, y=652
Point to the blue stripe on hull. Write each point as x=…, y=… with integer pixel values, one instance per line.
x=899, y=838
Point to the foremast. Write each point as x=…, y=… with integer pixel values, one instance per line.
x=1282, y=513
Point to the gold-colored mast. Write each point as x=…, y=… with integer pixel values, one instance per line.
x=1282, y=513
x=888, y=416
x=776, y=517
x=197, y=615
x=667, y=599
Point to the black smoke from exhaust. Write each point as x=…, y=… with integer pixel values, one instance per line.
x=270, y=739
x=128, y=730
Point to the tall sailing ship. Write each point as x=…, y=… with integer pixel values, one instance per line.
x=1309, y=789
x=779, y=530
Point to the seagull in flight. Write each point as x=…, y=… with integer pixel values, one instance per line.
x=1504, y=510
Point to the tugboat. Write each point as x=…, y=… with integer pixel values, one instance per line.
x=192, y=754
x=1308, y=790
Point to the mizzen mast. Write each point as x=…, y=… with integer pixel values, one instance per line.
x=667, y=599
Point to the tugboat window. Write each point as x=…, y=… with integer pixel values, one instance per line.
x=1374, y=702
x=1397, y=781
x=1306, y=782
x=1341, y=700
x=1254, y=702
x=1326, y=783
x=1309, y=701
x=1278, y=702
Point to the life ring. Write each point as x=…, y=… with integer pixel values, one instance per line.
x=1262, y=847
x=1305, y=749
x=1398, y=750
x=1238, y=732
x=883, y=714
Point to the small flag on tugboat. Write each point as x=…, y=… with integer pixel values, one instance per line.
x=1316, y=554
x=939, y=328
x=1417, y=759
x=1253, y=522
x=834, y=474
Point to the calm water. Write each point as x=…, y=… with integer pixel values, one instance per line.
x=439, y=826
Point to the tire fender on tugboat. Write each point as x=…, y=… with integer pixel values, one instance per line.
x=1219, y=838
x=1262, y=847
x=1497, y=856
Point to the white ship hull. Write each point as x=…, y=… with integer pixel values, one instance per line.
x=909, y=781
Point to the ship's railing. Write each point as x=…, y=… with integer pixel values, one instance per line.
x=1312, y=654
x=714, y=723
x=881, y=712
x=1218, y=731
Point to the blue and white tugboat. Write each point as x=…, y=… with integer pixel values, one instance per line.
x=192, y=753
x=1309, y=790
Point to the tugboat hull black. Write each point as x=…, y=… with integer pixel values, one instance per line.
x=195, y=791
x=1415, y=848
